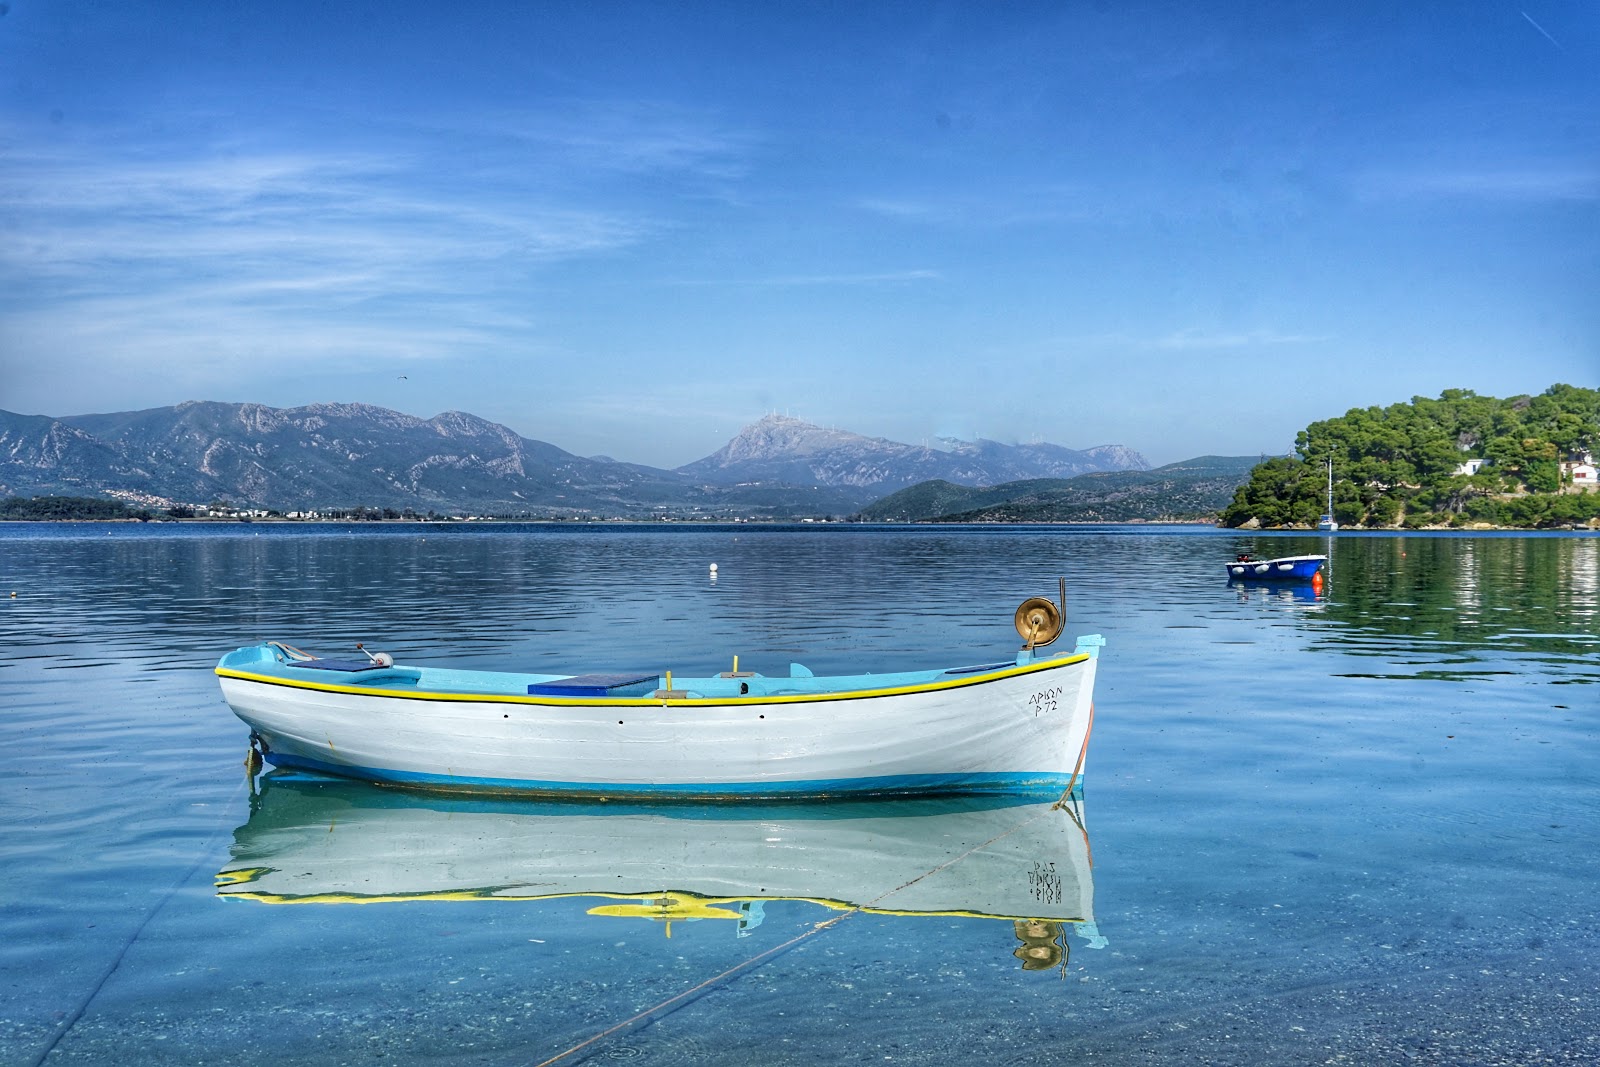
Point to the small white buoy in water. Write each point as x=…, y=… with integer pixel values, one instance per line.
x=713, y=568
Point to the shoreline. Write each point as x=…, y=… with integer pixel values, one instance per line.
x=1593, y=526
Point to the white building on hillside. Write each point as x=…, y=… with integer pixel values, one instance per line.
x=1581, y=472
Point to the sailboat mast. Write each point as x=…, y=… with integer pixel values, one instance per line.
x=1326, y=522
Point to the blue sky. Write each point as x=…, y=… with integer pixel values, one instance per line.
x=633, y=228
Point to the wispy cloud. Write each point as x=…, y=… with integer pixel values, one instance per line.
x=619, y=136
x=212, y=263
x=425, y=239
x=1000, y=209
x=246, y=216
x=909, y=208
x=422, y=238
x=1271, y=190
x=802, y=280
x=1195, y=338
x=1552, y=183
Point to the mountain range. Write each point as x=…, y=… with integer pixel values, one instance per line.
x=346, y=455
x=783, y=450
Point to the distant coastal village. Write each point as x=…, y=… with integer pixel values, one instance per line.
x=1459, y=461
x=100, y=509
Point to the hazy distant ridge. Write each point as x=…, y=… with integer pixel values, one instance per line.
x=344, y=455
x=779, y=448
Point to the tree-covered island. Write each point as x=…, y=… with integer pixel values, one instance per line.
x=69, y=509
x=1459, y=460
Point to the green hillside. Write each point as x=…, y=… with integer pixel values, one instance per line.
x=928, y=500
x=1407, y=464
x=59, y=508
x=1193, y=490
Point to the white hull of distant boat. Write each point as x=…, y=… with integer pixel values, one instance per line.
x=1017, y=726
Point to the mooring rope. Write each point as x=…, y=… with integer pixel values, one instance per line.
x=66, y=1025
x=1077, y=768
x=682, y=998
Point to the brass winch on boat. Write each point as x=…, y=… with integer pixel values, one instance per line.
x=1039, y=621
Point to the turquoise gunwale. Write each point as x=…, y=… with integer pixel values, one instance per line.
x=1011, y=783
x=372, y=690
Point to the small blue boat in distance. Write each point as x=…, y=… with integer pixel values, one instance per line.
x=1247, y=568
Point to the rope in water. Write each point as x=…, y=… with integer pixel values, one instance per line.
x=70, y=1021
x=688, y=994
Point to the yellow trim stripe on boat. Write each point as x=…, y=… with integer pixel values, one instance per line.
x=651, y=702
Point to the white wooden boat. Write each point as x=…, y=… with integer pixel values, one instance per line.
x=1021, y=724
x=311, y=841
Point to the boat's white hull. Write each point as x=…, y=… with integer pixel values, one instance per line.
x=1025, y=729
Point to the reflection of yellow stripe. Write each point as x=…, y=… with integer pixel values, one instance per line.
x=681, y=899
x=648, y=702
x=674, y=909
x=375, y=898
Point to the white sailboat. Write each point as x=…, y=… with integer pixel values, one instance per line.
x=1326, y=523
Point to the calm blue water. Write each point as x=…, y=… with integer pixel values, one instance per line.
x=1360, y=828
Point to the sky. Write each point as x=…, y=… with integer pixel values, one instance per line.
x=633, y=228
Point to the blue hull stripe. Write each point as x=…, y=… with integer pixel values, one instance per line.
x=1016, y=783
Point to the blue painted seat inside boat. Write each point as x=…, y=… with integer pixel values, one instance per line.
x=597, y=685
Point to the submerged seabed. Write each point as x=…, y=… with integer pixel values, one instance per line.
x=1354, y=828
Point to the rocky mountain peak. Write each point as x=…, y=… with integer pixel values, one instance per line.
x=783, y=436
x=783, y=449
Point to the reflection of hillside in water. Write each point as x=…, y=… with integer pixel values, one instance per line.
x=1025, y=864
x=1467, y=605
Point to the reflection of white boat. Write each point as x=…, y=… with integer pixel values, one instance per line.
x=312, y=841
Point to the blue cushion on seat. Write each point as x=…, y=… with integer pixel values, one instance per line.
x=597, y=685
